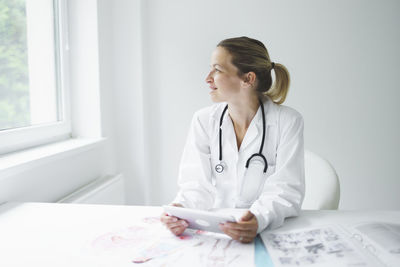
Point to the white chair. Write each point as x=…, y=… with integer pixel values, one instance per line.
x=322, y=184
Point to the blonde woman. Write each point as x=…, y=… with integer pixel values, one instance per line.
x=246, y=150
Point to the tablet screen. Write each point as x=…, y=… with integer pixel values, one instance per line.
x=200, y=219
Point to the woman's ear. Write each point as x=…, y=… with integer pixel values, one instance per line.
x=249, y=79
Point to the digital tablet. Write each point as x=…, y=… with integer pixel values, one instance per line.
x=200, y=219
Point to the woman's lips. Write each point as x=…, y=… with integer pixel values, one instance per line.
x=213, y=89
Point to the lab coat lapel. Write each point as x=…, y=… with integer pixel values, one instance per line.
x=229, y=132
x=253, y=131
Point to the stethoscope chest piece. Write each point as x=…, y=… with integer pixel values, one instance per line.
x=219, y=168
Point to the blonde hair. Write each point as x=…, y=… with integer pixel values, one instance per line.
x=251, y=55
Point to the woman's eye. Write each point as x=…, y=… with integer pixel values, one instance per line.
x=217, y=70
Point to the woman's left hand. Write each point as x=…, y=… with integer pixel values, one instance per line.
x=245, y=230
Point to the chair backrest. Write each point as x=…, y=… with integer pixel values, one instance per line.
x=322, y=184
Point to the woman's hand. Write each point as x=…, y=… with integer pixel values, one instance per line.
x=174, y=224
x=244, y=231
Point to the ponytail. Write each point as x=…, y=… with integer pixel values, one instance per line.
x=280, y=87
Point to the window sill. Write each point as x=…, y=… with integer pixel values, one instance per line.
x=17, y=162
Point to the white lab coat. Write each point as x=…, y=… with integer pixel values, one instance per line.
x=281, y=187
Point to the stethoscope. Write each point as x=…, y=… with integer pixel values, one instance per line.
x=219, y=168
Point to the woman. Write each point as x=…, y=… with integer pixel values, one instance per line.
x=218, y=167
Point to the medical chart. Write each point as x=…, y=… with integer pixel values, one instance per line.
x=363, y=244
x=148, y=243
x=322, y=246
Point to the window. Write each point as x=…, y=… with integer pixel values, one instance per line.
x=33, y=73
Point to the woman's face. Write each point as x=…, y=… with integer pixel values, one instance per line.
x=223, y=80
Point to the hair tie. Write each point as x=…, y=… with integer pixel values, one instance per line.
x=273, y=65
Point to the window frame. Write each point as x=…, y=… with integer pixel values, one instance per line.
x=16, y=139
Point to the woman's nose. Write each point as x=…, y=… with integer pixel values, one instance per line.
x=209, y=78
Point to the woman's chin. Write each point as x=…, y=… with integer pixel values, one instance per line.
x=214, y=97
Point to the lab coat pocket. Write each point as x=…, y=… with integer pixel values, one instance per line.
x=253, y=183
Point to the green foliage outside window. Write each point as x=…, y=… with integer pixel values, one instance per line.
x=14, y=78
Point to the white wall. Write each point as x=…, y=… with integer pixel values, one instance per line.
x=342, y=56
x=55, y=178
x=121, y=71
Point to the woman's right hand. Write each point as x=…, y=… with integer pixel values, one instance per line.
x=174, y=224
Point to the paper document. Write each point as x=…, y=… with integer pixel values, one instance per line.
x=381, y=239
x=324, y=246
x=149, y=243
x=366, y=244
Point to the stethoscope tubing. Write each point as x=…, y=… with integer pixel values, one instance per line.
x=219, y=167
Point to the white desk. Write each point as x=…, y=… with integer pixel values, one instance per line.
x=45, y=234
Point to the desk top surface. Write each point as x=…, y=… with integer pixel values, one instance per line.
x=47, y=232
